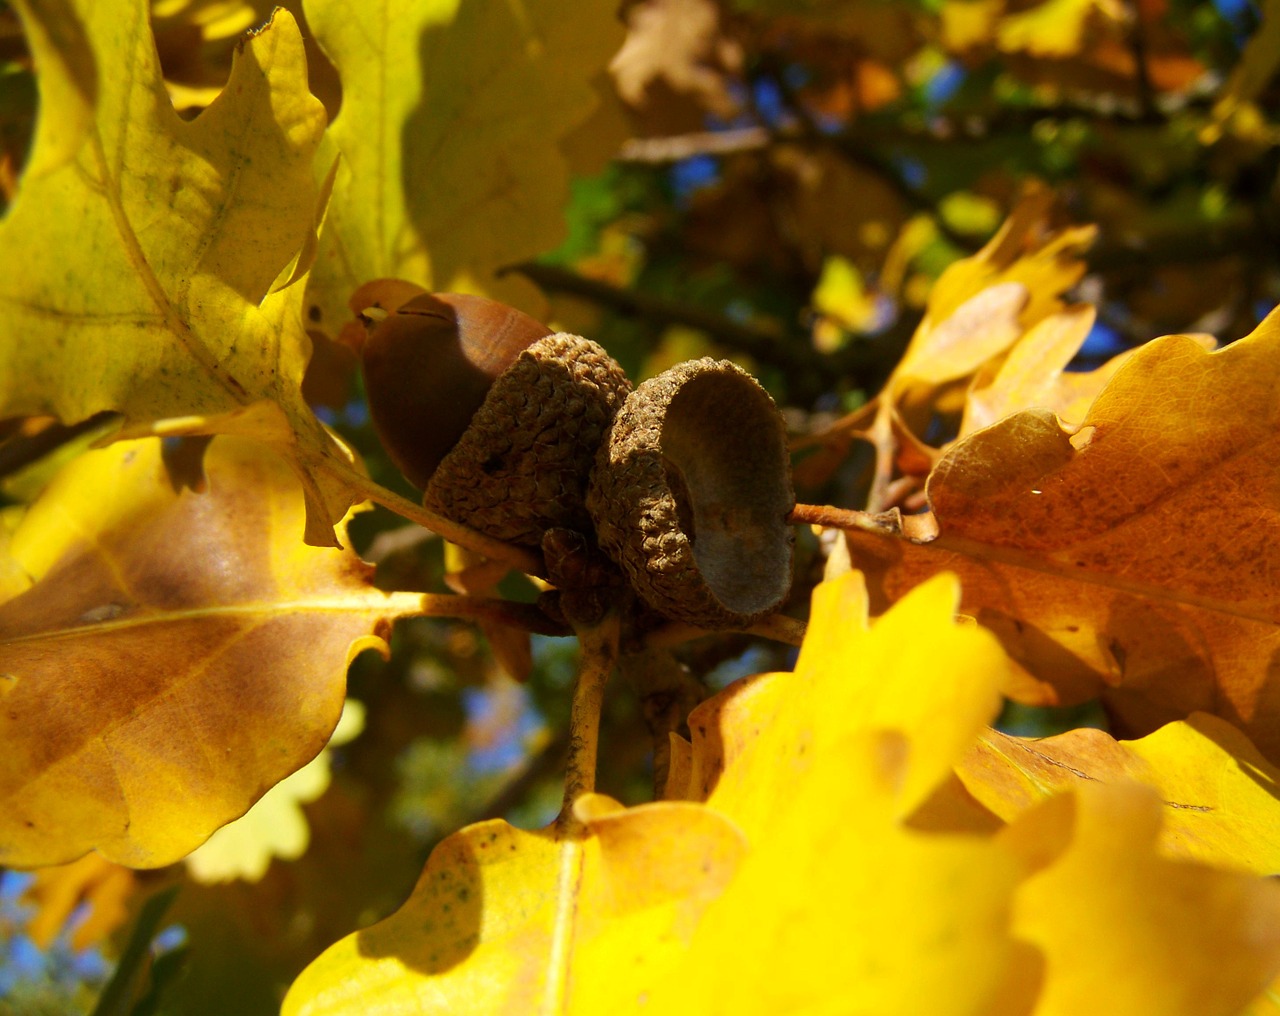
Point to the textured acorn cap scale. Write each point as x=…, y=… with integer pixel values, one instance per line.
x=691, y=493
x=521, y=466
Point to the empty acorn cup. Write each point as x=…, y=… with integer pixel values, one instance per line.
x=691, y=492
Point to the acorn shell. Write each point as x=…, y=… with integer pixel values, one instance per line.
x=691, y=493
x=522, y=465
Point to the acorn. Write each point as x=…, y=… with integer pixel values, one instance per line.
x=690, y=496
x=495, y=417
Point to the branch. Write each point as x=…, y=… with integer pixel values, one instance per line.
x=599, y=653
x=519, y=558
x=677, y=147
x=525, y=616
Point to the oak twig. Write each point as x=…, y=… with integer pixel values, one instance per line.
x=519, y=558
x=599, y=653
x=526, y=616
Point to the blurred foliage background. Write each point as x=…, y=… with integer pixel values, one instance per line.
x=775, y=181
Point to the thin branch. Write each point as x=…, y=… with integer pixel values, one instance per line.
x=519, y=558
x=677, y=147
x=599, y=653
x=525, y=616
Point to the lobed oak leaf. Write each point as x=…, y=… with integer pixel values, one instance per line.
x=151, y=258
x=797, y=880
x=820, y=769
x=174, y=655
x=670, y=909
x=1135, y=559
x=1220, y=798
x=500, y=916
x=977, y=311
x=275, y=826
x=448, y=137
x=1116, y=921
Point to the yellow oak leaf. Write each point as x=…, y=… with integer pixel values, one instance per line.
x=1122, y=927
x=149, y=259
x=1024, y=252
x=174, y=656
x=1134, y=559
x=796, y=880
x=449, y=136
x=1219, y=795
x=275, y=826
x=1034, y=373
x=500, y=914
x=978, y=309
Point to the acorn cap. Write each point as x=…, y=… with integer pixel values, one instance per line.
x=691, y=492
x=521, y=467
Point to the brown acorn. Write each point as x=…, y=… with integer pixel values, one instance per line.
x=690, y=495
x=495, y=417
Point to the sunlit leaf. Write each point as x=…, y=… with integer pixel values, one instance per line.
x=1124, y=928
x=175, y=655
x=146, y=259
x=500, y=917
x=1134, y=559
x=1220, y=797
x=978, y=309
x=449, y=136
x=275, y=826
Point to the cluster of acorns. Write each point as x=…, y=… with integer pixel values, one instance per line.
x=532, y=437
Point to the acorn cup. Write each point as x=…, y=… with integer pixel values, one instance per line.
x=493, y=416
x=690, y=496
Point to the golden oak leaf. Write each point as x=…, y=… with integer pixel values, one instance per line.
x=1024, y=251
x=275, y=826
x=1219, y=794
x=796, y=882
x=978, y=309
x=1135, y=559
x=149, y=259
x=499, y=915
x=1126, y=929
x=1033, y=374
x=174, y=656
x=820, y=769
x=449, y=133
